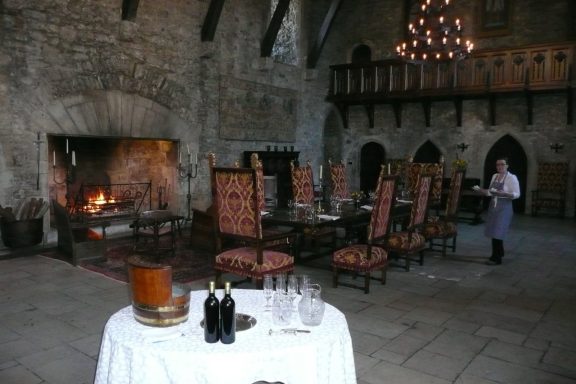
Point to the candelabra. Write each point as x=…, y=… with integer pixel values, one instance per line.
x=70, y=171
x=188, y=172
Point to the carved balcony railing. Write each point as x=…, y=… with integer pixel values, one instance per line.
x=489, y=73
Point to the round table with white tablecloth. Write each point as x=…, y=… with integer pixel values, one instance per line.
x=133, y=353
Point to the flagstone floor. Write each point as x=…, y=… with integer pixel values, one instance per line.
x=453, y=320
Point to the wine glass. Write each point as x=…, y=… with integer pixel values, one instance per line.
x=292, y=288
x=268, y=285
x=281, y=282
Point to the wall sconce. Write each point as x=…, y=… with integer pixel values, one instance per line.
x=462, y=146
x=556, y=147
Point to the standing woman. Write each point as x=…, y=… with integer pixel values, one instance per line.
x=504, y=188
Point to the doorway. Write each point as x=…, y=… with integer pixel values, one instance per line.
x=510, y=148
x=427, y=153
x=372, y=156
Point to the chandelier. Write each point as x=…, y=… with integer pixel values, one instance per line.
x=434, y=36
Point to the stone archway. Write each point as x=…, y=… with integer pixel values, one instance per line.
x=427, y=153
x=372, y=156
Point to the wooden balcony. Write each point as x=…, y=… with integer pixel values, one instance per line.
x=489, y=74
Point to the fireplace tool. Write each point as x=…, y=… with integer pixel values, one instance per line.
x=190, y=171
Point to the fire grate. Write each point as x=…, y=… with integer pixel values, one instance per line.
x=110, y=201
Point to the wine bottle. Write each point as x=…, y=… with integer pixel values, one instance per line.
x=227, y=317
x=211, y=315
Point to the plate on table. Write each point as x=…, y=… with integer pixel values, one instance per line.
x=243, y=322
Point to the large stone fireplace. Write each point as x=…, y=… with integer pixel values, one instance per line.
x=118, y=176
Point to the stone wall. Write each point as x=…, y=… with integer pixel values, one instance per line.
x=74, y=67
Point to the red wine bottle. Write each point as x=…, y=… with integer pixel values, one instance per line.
x=227, y=317
x=211, y=316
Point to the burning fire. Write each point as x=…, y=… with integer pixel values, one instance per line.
x=94, y=202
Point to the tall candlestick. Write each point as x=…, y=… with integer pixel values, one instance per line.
x=54, y=158
x=66, y=146
x=74, y=158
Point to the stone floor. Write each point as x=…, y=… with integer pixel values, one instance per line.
x=454, y=320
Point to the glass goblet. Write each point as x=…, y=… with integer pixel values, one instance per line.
x=268, y=286
x=292, y=288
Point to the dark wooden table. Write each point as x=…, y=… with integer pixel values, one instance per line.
x=153, y=225
x=354, y=220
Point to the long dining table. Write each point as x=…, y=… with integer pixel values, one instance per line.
x=350, y=216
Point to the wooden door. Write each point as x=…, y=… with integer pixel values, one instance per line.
x=372, y=155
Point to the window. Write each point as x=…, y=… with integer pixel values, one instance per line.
x=285, y=49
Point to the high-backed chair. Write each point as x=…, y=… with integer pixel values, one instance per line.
x=302, y=184
x=446, y=227
x=436, y=170
x=371, y=256
x=78, y=240
x=338, y=180
x=236, y=198
x=303, y=193
x=550, y=193
x=410, y=241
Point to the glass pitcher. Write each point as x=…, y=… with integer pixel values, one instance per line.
x=311, y=306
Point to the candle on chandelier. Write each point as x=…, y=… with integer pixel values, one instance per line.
x=74, y=158
x=53, y=158
x=66, y=146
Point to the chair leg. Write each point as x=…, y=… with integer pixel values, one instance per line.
x=367, y=282
x=384, y=275
x=454, y=243
x=335, y=277
x=444, y=247
x=407, y=266
x=421, y=260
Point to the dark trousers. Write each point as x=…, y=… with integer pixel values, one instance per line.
x=497, y=249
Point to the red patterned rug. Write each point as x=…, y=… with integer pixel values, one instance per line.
x=187, y=264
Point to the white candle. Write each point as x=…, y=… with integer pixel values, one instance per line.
x=73, y=158
x=53, y=158
x=320, y=171
x=196, y=158
x=188, y=148
x=388, y=168
x=66, y=146
x=179, y=156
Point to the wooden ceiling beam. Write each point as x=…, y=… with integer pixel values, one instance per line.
x=314, y=53
x=273, y=28
x=211, y=20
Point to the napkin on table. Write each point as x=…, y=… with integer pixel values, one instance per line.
x=404, y=201
x=328, y=217
x=264, y=213
x=367, y=207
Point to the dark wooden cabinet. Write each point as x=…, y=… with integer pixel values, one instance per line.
x=277, y=163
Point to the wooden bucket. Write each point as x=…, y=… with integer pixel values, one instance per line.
x=156, y=301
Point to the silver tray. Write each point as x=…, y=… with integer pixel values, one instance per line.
x=243, y=322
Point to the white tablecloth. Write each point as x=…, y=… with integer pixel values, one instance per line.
x=128, y=353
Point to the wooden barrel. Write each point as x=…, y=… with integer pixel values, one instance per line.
x=156, y=301
x=22, y=233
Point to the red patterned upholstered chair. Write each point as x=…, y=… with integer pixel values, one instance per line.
x=338, y=180
x=444, y=228
x=410, y=241
x=302, y=184
x=235, y=196
x=437, y=171
x=365, y=258
x=303, y=193
x=552, y=184
x=271, y=231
